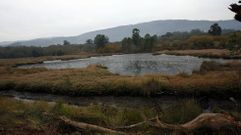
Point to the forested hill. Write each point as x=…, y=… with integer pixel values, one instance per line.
x=118, y=33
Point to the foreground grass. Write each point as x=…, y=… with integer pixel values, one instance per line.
x=31, y=117
x=213, y=80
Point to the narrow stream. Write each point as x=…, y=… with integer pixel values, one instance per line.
x=135, y=102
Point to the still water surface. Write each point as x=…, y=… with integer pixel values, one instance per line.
x=134, y=64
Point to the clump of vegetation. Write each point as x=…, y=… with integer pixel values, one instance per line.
x=215, y=30
x=100, y=41
x=110, y=48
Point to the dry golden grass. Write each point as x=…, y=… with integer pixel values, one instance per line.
x=208, y=82
x=216, y=53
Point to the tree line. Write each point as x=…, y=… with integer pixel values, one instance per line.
x=31, y=51
x=137, y=43
x=216, y=38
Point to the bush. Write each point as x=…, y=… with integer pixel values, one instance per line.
x=110, y=48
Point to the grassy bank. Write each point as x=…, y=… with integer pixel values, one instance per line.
x=29, y=117
x=205, y=53
x=213, y=80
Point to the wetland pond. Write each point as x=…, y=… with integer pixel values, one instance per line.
x=130, y=64
x=134, y=64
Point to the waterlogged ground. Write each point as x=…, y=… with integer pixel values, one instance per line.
x=206, y=104
x=134, y=64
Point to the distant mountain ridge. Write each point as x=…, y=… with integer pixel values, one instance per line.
x=159, y=27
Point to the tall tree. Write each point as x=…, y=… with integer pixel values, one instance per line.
x=66, y=42
x=136, y=36
x=100, y=41
x=149, y=42
x=215, y=30
x=126, y=44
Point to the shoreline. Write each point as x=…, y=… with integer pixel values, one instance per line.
x=202, y=53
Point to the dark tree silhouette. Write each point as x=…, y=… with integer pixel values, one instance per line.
x=236, y=9
x=136, y=36
x=101, y=40
x=126, y=44
x=89, y=42
x=215, y=30
x=66, y=42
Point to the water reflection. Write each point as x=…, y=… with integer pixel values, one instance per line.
x=134, y=64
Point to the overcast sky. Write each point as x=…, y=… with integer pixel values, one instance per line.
x=28, y=19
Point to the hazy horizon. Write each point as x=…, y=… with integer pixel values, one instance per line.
x=29, y=19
